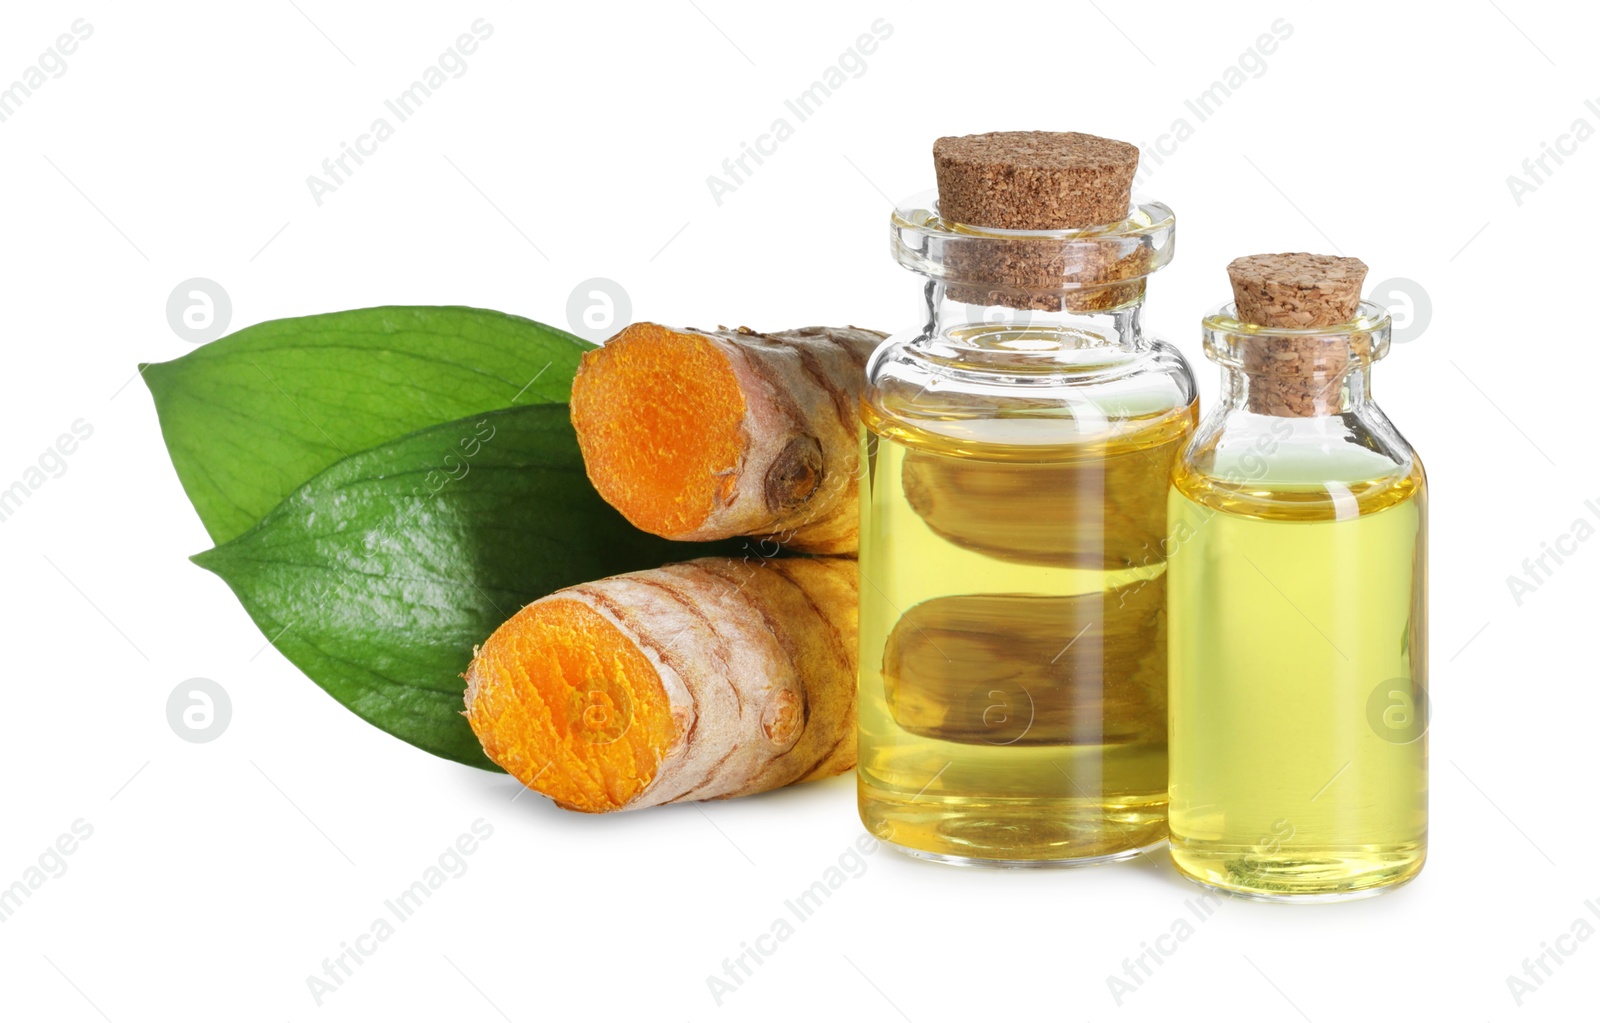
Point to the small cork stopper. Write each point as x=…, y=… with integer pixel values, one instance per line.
x=1296, y=290
x=1298, y=376
x=1034, y=180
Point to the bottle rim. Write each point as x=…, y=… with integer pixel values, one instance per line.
x=1101, y=257
x=1365, y=337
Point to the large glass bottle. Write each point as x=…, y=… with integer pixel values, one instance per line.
x=1298, y=622
x=1017, y=448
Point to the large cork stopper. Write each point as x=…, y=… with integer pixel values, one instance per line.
x=1298, y=376
x=1037, y=181
x=1034, y=180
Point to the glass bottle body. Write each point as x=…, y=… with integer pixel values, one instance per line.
x=1298, y=635
x=1012, y=688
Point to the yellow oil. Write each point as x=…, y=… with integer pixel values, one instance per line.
x=1013, y=662
x=1298, y=624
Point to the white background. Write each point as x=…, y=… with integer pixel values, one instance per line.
x=577, y=144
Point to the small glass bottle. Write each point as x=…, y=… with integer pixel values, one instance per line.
x=1297, y=588
x=1017, y=448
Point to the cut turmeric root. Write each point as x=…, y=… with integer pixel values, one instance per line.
x=704, y=680
x=699, y=435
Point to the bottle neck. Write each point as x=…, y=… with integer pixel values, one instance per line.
x=1297, y=373
x=1333, y=391
x=1036, y=325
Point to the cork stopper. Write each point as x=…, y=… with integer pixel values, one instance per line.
x=1298, y=376
x=1034, y=180
x=1296, y=290
x=1038, y=181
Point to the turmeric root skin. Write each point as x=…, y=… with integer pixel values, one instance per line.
x=705, y=680
x=698, y=435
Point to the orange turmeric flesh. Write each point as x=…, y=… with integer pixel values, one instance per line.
x=709, y=679
x=702, y=435
x=659, y=413
x=579, y=712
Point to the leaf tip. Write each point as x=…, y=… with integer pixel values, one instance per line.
x=207, y=559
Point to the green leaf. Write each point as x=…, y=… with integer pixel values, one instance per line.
x=251, y=416
x=377, y=577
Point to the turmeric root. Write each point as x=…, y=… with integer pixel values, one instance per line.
x=695, y=435
x=704, y=680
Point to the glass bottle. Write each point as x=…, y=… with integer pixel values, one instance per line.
x=1017, y=448
x=1297, y=588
